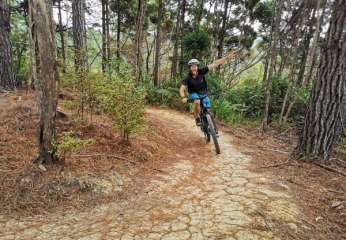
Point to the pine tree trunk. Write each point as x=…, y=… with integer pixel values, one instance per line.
x=269, y=80
x=182, y=31
x=80, y=48
x=47, y=77
x=118, y=30
x=323, y=117
x=149, y=51
x=222, y=31
x=7, y=76
x=62, y=38
x=292, y=68
x=108, y=34
x=158, y=45
x=176, y=42
x=104, y=35
x=313, y=49
x=79, y=36
x=142, y=6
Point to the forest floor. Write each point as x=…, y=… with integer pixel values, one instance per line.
x=168, y=184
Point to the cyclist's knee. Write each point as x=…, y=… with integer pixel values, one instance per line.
x=197, y=102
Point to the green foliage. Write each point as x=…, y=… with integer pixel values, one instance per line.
x=264, y=12
x=196, y=44
x=114, y=93
x=167, y=94
x=69, y=144
x=124, y=102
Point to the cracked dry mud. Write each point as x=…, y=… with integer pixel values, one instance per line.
x=217, y=199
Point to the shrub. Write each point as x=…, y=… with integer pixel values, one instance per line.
x=124, y=102
x=69, y=144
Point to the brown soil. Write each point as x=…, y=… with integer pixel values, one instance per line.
x=316, y=189
x=26, y=189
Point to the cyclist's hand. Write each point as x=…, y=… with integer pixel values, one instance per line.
x=184, y=100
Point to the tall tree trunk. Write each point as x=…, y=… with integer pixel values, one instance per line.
x=104, y=4
x=222, y=31
x=149, y=51
x=293, y=67
x=313, y=50
x=62, y=38
x=299, y=83
x=142, y=6
x=265, y=71
x=199, y=14
x=80, y=48
x=176, y=37
x=269, y=80
x=182, y=31
x=108, y=34
x=47, y=77
x=323, y=117
x=158, y=44
x=7, y=76
x=79, y=36
x=118, y=28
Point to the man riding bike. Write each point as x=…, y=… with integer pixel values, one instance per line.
x=196, y=84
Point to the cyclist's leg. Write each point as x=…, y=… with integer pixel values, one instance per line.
x=207, y=104
x=196, y=103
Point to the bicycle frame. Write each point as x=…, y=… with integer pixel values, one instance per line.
x=208, y=125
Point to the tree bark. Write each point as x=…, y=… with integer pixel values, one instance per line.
x=269, y=80
x=176, y=37
x=118, y=29
x=182, y=31
x=62, y=37
x=222, y=31
x=313, y=50
x=47, y=77
x=158, y=44
x=79, y=36
x=142, y=6
x=7, y=76
x=105, y=35
x=293, y=66
x=80, y=48
x=149, y=51
x=323, y=117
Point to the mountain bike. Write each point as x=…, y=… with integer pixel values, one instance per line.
x=208, y=125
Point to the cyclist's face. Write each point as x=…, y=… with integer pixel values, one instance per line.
x=194, y=69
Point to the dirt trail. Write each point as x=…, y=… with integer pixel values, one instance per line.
x=215, y=197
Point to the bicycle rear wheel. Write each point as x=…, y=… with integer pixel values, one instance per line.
x=213, y=133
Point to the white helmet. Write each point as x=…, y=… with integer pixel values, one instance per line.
x=193, y=61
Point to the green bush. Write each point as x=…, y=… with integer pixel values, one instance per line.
x=69, y=144
x=124, y=102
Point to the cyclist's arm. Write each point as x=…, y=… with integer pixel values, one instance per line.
x=182, y=90
x=220, y=61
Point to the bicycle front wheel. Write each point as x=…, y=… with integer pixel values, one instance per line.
x=213, y=133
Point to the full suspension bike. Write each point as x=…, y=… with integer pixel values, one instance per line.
x=208, y=125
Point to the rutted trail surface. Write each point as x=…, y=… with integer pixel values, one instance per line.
x=200, y=196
